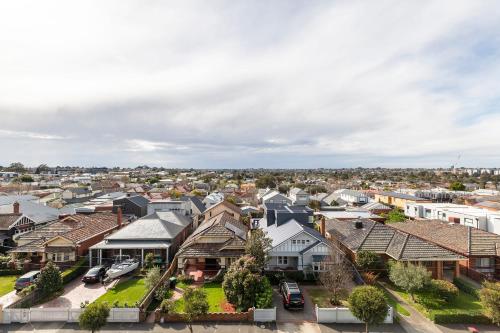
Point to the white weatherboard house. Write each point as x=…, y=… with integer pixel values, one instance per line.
x=295, y=246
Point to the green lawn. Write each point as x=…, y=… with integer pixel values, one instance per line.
x=7, y=284
x=215, y=296
x=129, y=291
x=427, y=303
x=393, y=302
x=321, y=297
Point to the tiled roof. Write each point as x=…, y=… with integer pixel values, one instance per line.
x=456, y=237
x=6, y=220
x=229, y=205
x=382, y=239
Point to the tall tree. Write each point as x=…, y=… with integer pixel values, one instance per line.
x=195, y=303
x=16, y=167
x=50, y=280
x=258, y=246
x=241, y=282
x=368, y=304
x=336, y=275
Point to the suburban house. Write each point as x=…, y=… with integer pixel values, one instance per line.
x=278, y=213
x=136, y=205
x=480, y=249
x=70, y=194
x=376, y=208
x=353, y=198
x=299, y=196
x=215, y=244
x=160, y=233
x=465, y=215
x=12, y=224
x=276, y=197
x=223, y=206
x=169, y=205
x=66, y=240
x=213, y=198
x=295, y=246
x=399, y=200
x=357, y=235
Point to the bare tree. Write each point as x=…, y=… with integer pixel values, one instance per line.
x=336, y=275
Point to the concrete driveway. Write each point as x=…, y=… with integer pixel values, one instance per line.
x=77, y=292
x=293, y=316
x=9, y=298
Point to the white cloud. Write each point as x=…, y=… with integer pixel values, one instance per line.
x=233, y=84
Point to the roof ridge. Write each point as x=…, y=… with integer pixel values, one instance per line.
x=407, y=236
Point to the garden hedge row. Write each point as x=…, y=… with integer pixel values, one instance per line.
x=460, y=318
x=74, y=271
x=465, y=287
x=5, y=272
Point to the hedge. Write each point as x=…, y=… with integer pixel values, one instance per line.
x=459, y=318
x=299, y=276
x=5, y=272
x=74, y=271
x=466, y=287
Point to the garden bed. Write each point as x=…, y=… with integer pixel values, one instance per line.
x=125, y=293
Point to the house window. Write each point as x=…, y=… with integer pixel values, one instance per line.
x=294, y=242
x=282, y=260
x=468, y=221
x=483, y=262
x=303, y=241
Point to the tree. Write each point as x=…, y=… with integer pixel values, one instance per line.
x=241, y=282
x=16, y=167
x=265, y=181
x=396, y=215
x=490, y=298
x=457, y=186
x=283, y=189
x=152, y=278
x=149, y=260
x=94, y=316
x=368, y=304
x=337, y=273
x=26, y=179
x=258, y=246
x=50, y=280
x=368, y=260
x=315, y=204
x=264, y=296
x=195, y=303
x=411, y=278
x=42, y=168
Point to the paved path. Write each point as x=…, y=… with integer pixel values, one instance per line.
x=9, y=298
x=77, y=292
x=416, y=322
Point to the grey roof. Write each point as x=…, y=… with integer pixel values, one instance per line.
x=138, y=200
x=352, y=192
x=285, y=231
x=296, y=190
x=402, y=196
x=132, y=244
x=375, y=206
x=156, y=226
x=198, y=203
x=38, y=213
x=382, y=239
x=10, y=199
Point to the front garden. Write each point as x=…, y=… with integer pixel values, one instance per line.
x=7, y=284
x=126, y=293
x=215, y=296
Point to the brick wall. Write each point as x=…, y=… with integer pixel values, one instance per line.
x=215, y=316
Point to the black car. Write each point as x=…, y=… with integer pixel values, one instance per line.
x=95, y=274
x=292, y=296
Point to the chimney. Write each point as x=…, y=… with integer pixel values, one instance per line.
x=16, y=207
x=323, y=227
x=358, y=224
x=119, y=217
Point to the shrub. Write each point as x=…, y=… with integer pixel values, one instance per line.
x=411, y=278
x=445, y=290
x=153, y=277
x=167, y=305
x=74, y=271
x=264, y=296
x=459, y=318
x=466, y=287
x=368, y=260
x=94, y=317
x=50, y=280
x=490, y=298
x=370, y=278
x=195, y=303
x=148, y=260
x=186, y=279
x=163, y=292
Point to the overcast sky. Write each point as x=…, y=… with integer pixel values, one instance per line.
x=250, y=83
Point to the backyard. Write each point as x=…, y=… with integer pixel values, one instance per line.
x=215, y=295
x=7, y=284
x=127, y=292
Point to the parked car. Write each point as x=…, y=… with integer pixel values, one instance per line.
x=26, y=280
x=95, y=274
x=292, y=296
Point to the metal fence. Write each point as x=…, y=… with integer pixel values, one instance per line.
x=264, y=315
x=344, y=315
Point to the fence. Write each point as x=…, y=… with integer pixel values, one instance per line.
x=264, y=315
x=344, y=315
x=116, y=315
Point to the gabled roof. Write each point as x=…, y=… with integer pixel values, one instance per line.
x=376, y=206
x=137, y=200
x=227, y=204
x=296, y=190
x=7, y=220
x=287, y=230
x=198, y=203
x=456, y=237
x=38, y=213
x=382, y=239
x=156, y=226
x=10, y=199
